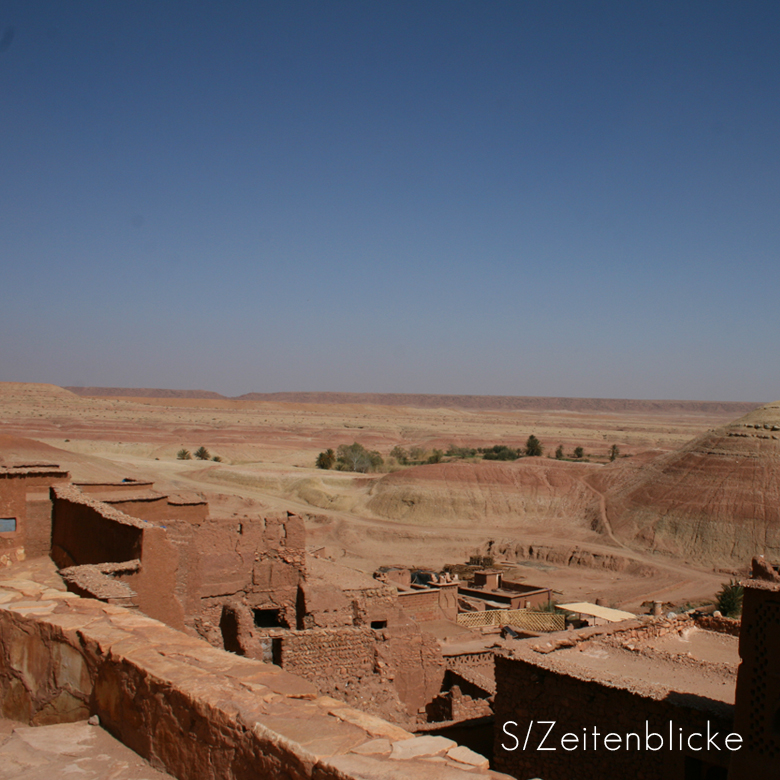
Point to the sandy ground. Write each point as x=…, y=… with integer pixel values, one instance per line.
x=269, y=449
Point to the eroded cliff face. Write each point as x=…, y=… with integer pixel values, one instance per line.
x=716, y=500
x=460, y=494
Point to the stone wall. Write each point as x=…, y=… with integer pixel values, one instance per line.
x=528, y=692
x=197, y=712
x=721, y=625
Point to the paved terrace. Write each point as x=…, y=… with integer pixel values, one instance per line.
x=188, y=708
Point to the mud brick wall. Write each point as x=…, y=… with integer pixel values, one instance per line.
x=258, y=562
x=421, y=605
x=529, y=692
x=13, y=503
x=373, y=604
x=87, y=531
x=39, y=509
x=456, y=706
x=482, y=663
x=413, y=660
x=152, y=509
x=327, y=654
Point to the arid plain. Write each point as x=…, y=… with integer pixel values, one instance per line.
x=548, y=517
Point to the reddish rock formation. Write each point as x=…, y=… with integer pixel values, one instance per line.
x=717, y=499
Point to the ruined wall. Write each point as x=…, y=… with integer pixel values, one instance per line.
x=529, y=692
x=324, y=605
x=394, y=671
x=85, y=531
x=456, y=705
x=258, y=562
x=721, y=625
x=414, y=660
x=197, y=712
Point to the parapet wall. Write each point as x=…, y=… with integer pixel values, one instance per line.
x=197, y=712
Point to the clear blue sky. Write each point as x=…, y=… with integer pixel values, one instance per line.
x=521, y=198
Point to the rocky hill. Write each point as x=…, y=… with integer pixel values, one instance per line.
x=717, y=499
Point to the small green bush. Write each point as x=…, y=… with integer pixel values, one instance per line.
x=730, y=599
x=326, y=460
x=533, y=447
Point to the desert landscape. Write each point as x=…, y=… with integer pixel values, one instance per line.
x=668, y=520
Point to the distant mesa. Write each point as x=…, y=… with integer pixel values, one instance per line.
x=144, y=392
x=431, y=401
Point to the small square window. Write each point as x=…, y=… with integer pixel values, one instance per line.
x=7, y=525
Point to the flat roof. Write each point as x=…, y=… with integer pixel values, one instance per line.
x=594, y=610
x=690, y=660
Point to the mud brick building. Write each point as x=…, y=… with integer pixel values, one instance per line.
x=25, y=510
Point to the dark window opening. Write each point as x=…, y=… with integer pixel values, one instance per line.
x=7, y=525
x=267, y=618
x=377, y=624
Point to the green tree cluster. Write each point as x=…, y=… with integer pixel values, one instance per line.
x=499, y=452
x=355, y=457
x=460, y=452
